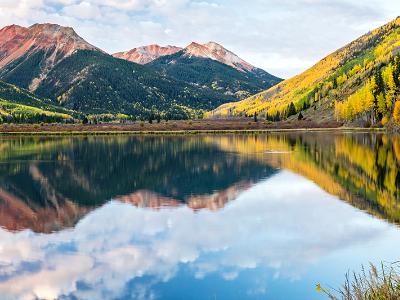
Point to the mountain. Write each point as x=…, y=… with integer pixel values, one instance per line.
x=357, y=84
x=207, y=65
x=19, y=105
x=147, y=54
x=55, y=62
x=217, y=52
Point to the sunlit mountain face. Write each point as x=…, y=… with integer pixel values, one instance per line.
x=194, y=217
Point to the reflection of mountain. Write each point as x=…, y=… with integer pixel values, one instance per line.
x=362, y=169
x=214, y=201
x=54, y=182
x=48, y=184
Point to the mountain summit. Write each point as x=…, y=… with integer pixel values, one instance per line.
x=146, y=54
x=217, y=52
x=28, y=54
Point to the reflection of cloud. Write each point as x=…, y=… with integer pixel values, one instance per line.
x=270, y=225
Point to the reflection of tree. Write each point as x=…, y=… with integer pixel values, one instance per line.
x=362, y=169
x=86, y=172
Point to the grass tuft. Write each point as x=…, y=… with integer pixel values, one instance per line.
x=371, y=284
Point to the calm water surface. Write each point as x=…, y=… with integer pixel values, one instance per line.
x=194, y=217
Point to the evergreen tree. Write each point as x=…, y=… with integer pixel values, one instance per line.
x=291, y=110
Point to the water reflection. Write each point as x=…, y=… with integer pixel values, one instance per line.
x=49, y=184
x=205, y=217
x=360, y=168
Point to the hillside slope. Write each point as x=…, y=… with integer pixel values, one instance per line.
x=19, y=105
x=358, y=83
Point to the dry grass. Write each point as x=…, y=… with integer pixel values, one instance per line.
x=193, y=125
x=371, y=284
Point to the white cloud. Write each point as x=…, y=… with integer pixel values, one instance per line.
x=296, y=30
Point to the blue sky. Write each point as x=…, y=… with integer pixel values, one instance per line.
x=282, y=36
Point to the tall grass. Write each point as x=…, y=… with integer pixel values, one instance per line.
x=373, y=284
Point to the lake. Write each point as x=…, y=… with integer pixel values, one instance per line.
x=258, y=216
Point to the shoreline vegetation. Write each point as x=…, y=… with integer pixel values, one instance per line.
x=175, y=127
x=372, y=283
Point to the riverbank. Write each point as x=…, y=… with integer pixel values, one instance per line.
x=171, y=127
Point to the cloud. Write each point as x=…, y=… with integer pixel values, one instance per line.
x=109, y=257
x=297, y=30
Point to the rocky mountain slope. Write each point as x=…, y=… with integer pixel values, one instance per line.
x=28, y=54
x=357, y=84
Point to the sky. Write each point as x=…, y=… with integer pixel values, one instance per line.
x=284, y=37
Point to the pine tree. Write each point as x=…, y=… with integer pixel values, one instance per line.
x=291, y=110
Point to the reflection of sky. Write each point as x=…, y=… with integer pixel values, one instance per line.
x=276, y=240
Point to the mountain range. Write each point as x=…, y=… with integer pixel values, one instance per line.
x=358, y=85
x=55, y=63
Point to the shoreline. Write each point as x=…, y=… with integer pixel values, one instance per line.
x=182, y=127
x=190, y=132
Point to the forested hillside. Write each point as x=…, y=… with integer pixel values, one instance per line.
x=359, y=83
x=94, y=82
x=225, y=80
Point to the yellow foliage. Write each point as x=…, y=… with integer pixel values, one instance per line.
x=313, y=83
x=396, y=112
x=359, y=102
